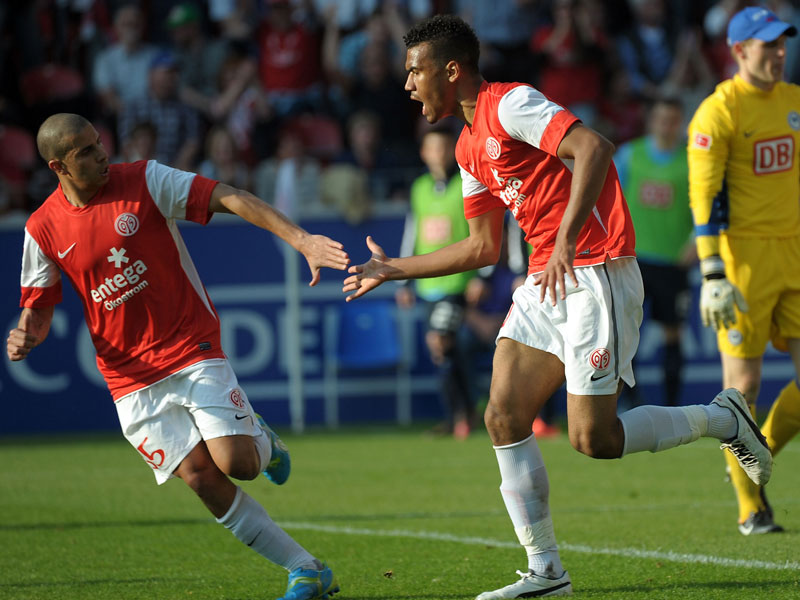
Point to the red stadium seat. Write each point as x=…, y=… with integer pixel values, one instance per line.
x=17, y=153
x=321, y=135
x=51, y=83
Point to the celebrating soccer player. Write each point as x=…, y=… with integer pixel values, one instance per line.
x=577, y=316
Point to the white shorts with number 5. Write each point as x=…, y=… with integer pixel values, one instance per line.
x=165, y=420
x=594, y=331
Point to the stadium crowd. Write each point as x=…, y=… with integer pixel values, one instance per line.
x=309, y=93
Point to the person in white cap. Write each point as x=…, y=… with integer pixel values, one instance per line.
x=744, y=185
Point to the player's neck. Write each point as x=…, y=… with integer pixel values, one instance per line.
x=761, y=84
x=468, y=98
x=77, y=196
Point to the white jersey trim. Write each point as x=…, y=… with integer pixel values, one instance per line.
x=188, y=266
x=524, y=112
x=169, y=189
x=38, y=271
x=469, y=185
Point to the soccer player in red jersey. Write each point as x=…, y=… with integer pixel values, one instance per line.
x=577, y=316
x=111, y=230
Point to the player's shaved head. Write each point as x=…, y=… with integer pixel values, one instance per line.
x=56, y=135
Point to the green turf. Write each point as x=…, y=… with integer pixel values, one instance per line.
x=397, y=514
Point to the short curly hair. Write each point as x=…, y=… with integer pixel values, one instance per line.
x=450, y=39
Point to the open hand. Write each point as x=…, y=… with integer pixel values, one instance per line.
x=321, y=251
x=369, y=275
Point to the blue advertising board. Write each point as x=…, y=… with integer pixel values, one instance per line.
x=283, y=339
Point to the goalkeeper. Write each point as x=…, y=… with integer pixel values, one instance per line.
x=744, y=188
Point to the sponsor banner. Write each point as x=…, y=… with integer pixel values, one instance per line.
x=59, y=388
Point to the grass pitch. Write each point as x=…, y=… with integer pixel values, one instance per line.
x=397, y=514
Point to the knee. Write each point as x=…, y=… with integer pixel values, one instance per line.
x=497, y=422
x=595, y=443
x=203, y=479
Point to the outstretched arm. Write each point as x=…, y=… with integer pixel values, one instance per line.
x=32, y=329
x=480, y=248
x=592, y=155
x=319, y=250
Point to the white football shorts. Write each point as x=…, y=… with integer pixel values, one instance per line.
x=594, y=331
x=166, y=420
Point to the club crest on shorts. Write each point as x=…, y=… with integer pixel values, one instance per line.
x=492, y=148
x=126, y=224
x=599, y=359
x=735, y=337
x=236, y=398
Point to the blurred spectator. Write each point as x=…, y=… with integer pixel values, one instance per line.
x=140, y=144
x=222, y=162
x=621, y=112
x=715, y=26
x=199, y=58
x=121, y=71
x=240, y=103
x=367, y=151
x=573, y=49
x=293, y=171
x=385, y=28
x=233, y=18
x=436, y=219
x=647, y=47
x=691, y=78
x=378, y=90
x=289, y=60
x=654, y=175
x=177, y=125
x=504, y=29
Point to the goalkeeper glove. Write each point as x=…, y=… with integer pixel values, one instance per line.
x=718, y=296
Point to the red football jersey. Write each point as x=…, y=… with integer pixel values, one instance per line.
x=146, y=308
x=508, y=158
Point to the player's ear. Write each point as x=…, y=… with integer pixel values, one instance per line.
x=453, y=70
x=57, y=167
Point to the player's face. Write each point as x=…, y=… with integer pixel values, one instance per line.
x=87, y=162
x=762, y=63
x=428, y=83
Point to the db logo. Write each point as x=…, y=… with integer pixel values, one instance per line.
x=773, y=156
x=236, y=398
x=599, y=359
x=492, y=148
x=126, y=224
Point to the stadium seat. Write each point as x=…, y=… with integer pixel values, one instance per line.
x=365, y=335
x=50, y=83
x=321, y=135
x=17, y=154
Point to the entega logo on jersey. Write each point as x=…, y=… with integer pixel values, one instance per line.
x=130, y=276
x=510, y=193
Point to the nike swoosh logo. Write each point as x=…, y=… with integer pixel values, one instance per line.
x=596, y=377
x=65, y=252
x=240, y=417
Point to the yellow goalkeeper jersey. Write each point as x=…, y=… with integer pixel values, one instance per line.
x=744, y=176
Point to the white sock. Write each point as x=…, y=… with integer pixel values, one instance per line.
x=250, y=523
x=264, y=448
x=722, y=423
x=525, y=490
x=657, y=428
